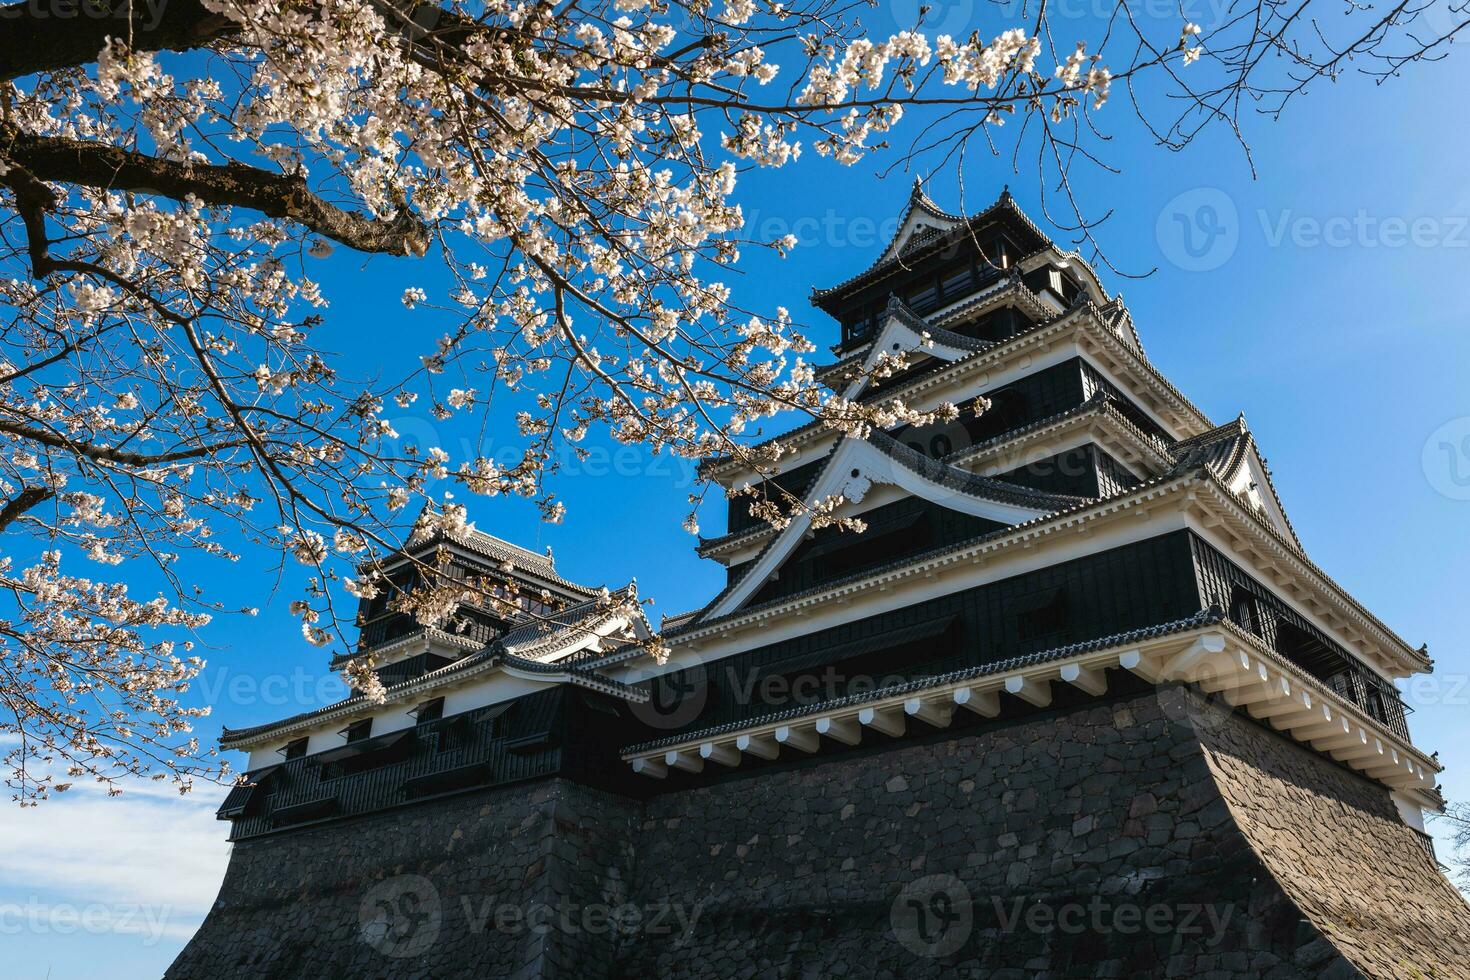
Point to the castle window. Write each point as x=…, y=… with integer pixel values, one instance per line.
x=921, y=296
x=1310, y=651
x=294, y=749
x=1245, y=612
x=357, y=731
x=1008, y=410
x=1041, y=617
x=997, y=254
x=956, y=281
x=431, y=710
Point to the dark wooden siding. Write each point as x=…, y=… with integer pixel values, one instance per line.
x=1112, y=477
x=1036, y=396
x=1083, y=471
x=1143, y=584
x=903, y=528
x=793, y=481
x=523, y=739
x=944, y=278
x=1094, y=383
x=1258, y=610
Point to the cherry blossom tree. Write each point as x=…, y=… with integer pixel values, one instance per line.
x=168, y=166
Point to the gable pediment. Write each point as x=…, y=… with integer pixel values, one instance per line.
x=853, y=470
x=905, y=332
x=922, y=222
x=1251, y=480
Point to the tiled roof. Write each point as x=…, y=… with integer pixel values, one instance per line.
x=890, y=261
x=517, y=649
x=905, y=314
x=709, y=465
x=1100, y=403
x=1018, y=532
x=1223, y=449
x=1098, y=314
x=1220, y=448
x=502, y=551
x=963, y=481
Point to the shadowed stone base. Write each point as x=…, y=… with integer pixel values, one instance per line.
x=1154, y=836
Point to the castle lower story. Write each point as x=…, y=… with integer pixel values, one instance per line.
x=1147, y=835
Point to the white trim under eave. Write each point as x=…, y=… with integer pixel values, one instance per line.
x=750, y=547
x=1025, y=453
x=813, y=443
x=1243, y=674
x=425, y=639
x=1143, y=458
x=810, y=440
x=480, y=676
x=855, y=467
x=1099, y=426
x=994, y=365
x=1134, y=393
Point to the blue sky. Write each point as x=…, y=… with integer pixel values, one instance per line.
x=1325, y=299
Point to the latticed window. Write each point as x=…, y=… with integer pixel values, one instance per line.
x=956, y=281
x=1245, y=612
x=1042, y=617
x=431, y=710
x=357, y=731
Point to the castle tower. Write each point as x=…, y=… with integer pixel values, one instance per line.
x=1075, y=702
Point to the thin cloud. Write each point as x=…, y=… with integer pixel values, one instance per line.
x=149, y=862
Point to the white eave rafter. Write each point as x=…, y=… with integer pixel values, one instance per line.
x=1218, y=659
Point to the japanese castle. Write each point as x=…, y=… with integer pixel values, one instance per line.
x=1078, y=656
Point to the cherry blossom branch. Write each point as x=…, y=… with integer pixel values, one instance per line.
x=28, y=497
x=285, y=196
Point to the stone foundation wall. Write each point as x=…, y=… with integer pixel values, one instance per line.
x=450, y=888
x=1151, y=836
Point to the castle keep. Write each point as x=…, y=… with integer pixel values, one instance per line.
x=1076, y=703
